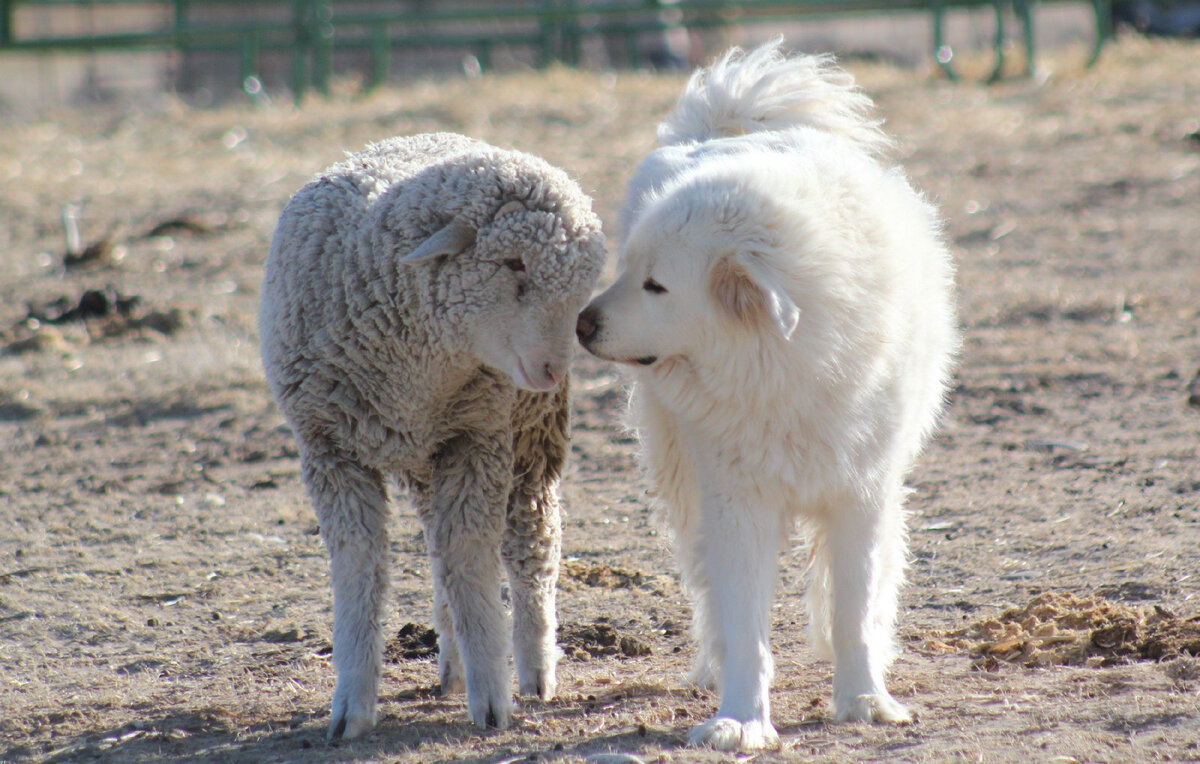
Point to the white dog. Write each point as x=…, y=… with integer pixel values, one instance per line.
x=786, y=304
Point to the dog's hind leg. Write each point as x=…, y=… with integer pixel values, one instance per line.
x=741, y=558
x=866, y=550
x=694, y=569
x=819, y=597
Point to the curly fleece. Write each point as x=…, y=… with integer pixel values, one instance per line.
x=402, y=369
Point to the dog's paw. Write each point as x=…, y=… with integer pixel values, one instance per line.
x=876, y=707
x=726, y=734
x=352, y=714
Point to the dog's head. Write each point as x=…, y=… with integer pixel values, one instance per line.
x=701, y=267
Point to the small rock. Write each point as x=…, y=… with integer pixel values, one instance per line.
x=282, y=636
x=47, y=339
x=166, y=322
x=633, y=647
x=96, y=253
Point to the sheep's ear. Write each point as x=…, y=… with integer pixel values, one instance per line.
x=509, y=208
x=454, y=238
x=748, y=289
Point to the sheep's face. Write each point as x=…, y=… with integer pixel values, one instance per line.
x=543, y=277
x=530, y=336
x=524, y=279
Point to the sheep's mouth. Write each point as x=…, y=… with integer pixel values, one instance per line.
x=535, y=383
x=646, y=360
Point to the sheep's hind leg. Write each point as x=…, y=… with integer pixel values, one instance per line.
x=450, y=668
x=532, y=546
x=463, y=526
x=350, y=502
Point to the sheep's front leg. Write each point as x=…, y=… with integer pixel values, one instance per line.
x=532, y=546
x=464, y=522
x=351, y=505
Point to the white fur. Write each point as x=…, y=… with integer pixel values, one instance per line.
x=789, y=373
x=416, y=323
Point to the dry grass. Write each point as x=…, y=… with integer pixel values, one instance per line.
x=162, y=592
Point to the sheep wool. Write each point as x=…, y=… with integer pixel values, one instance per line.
x=417, y=323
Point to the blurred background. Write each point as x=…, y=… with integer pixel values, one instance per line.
x=63, y=52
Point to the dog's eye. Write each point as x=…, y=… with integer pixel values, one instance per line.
x=652, y=286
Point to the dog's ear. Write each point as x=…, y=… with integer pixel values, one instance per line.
x=750, y=291
x=455, y=237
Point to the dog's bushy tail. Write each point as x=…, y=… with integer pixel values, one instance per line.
x=766, y=89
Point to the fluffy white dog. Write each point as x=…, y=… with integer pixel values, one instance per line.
x=786, y=304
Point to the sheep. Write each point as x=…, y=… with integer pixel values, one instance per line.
x=417, y=321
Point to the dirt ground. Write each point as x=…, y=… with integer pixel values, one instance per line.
x=163, y=590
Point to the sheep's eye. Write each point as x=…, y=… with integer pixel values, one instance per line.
x=652, y=286
x=516, y=265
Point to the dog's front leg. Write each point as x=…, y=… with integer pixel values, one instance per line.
x=740, y=549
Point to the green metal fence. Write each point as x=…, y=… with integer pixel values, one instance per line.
x=554, y=29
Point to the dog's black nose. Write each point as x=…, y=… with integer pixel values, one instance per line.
x=586, y=326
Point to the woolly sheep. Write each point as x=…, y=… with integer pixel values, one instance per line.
x=417, y=321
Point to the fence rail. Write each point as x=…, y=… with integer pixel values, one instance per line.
x=554, y=29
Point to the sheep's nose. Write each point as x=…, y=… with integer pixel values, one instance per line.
x=585, y=327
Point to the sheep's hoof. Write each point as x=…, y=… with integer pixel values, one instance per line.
x=491, y=715
x=451, y=684
x=543, y=687
x=346, y=726
x=449, y=675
